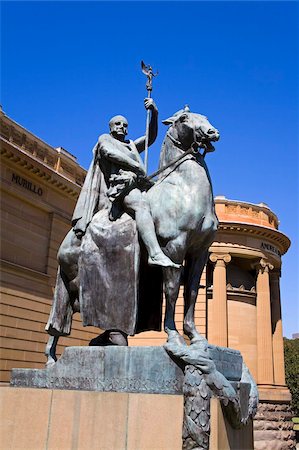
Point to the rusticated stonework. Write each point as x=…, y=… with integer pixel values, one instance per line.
x=273, y=428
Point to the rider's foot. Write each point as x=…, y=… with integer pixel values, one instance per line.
x=110, y=337
x=160, y=259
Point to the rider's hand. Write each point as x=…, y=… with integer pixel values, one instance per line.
x=150, y=104
x=79, y=234
x=141, y=171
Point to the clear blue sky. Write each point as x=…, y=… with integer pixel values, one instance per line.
x=67, y=67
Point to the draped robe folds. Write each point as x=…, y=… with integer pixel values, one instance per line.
x=118, y=290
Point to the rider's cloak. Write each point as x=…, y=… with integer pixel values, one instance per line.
x=91, y=196
x=118, y=290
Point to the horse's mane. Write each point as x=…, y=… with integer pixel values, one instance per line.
x=164, y=156
x=163, y=153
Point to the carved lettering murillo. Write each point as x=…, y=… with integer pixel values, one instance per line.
x=17, y=179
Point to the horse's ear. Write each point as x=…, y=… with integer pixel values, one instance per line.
x=168, y=121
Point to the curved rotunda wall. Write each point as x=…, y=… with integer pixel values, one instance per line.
x=243, y=272
x=244, y=308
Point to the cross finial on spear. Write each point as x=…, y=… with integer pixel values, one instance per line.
x=148, y=71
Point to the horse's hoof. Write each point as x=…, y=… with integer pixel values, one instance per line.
x=174, y=340
x=199, y=341
x=50, y=362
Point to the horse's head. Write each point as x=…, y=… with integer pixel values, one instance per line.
x=190, y=128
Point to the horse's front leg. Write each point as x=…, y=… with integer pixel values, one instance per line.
x=193, y=269
x=171, y=280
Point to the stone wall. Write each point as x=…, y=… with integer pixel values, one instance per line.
x=273, y=427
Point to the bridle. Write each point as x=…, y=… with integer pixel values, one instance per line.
x=193, y=150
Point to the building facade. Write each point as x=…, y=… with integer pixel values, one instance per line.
x=39, y=189
x=238, y=306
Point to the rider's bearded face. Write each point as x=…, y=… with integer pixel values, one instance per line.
x=118, y=127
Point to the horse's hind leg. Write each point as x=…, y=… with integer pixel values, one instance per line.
x=50, y=350
x=171, y=278
x=65, y=300
x=193, y=270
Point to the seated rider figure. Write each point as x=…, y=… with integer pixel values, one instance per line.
x=125, y=178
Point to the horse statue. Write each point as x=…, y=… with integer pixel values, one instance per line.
x=183, y=211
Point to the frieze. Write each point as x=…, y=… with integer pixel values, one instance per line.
x=71, y=190
x=232, y=208
x=247, y=209
x=270, y=248
x=142, y=385
x=5, y=130
x=20, y=138
x=79, y=382
x=17, y=137
x=17, y=179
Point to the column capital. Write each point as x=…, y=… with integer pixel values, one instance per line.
x=263, y=265
x=214, y=257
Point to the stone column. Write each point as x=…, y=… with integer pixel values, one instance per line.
x=277, y=336
x=218, y=332
x=264, y=327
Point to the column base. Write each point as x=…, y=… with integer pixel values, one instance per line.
x=276, y=393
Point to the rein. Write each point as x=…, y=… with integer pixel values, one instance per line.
x=191, y=150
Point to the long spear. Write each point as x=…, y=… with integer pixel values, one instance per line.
x=148, y=71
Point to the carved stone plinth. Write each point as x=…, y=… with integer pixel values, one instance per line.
x=121, y=369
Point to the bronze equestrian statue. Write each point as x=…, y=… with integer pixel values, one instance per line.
x=130, y=235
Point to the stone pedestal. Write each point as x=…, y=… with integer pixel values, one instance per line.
x=80, y=420
x=135, y=402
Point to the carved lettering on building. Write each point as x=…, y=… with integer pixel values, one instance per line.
x=270, y=248
x=26, y=184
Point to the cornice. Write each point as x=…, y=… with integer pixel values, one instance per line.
x=248, y=229
x=57, y=159
x=31, y=164
x=32, y=137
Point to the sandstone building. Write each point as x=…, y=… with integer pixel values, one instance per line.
x=238, y=306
